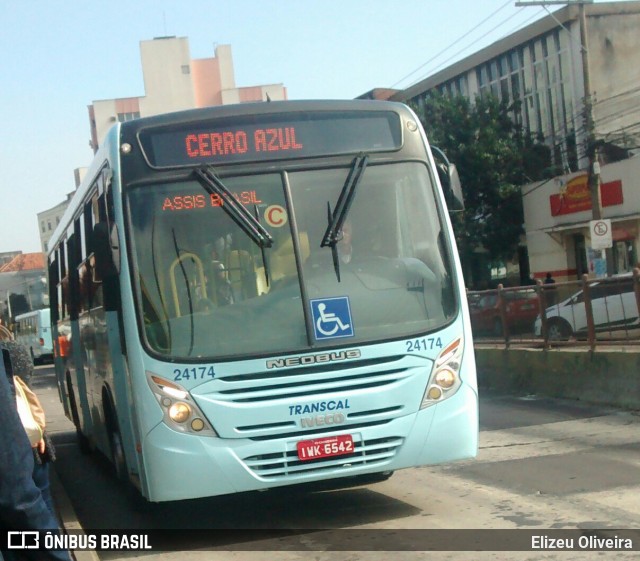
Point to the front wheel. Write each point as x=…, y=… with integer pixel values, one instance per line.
x=117, y=454
x=559, y=330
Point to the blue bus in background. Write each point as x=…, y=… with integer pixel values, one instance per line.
x=263, y=295
x=33, y=330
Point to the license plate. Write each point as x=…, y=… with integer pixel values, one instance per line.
x=325, y=447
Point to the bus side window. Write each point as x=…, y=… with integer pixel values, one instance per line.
x=53, y=289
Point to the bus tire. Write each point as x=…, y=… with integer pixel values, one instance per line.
x=117, y=455
x=118, y=459
x=83, y=442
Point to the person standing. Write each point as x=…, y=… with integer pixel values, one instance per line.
x=550, y=289
x=19, y=370
x=22, y=506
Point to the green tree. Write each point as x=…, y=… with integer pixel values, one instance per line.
x=494, y=157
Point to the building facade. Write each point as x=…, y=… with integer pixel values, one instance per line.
x=48, y=220
x=173, y=81
x=539, y=70
x=23, y=285
x=558, y=219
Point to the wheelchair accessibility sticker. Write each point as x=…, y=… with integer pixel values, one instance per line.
x=332, y=317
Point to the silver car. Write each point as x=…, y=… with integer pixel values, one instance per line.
x=614, y=307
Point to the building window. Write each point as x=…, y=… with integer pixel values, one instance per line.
x=44, y=229
x=624, y=256
x=49, y=225
x=186, y=69
x=122, y=117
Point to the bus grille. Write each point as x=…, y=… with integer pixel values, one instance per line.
x=301, y=382
x=280, y=465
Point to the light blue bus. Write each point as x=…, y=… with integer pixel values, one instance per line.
x=33, y=330
x=264, y=295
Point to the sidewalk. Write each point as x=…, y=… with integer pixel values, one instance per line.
x=44, y=384
x=68, y=516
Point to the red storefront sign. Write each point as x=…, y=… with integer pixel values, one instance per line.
x=576, y=197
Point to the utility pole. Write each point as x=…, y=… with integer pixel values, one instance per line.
x=593, y=172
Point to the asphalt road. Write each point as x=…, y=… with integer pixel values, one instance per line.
x=544, y=464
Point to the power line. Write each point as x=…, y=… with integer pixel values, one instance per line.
x=435, y=69
x=452, y=44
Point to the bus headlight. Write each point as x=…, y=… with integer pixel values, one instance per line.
x=180, y=411
x=445, y=376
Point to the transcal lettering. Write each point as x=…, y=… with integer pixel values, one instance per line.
x=319, y=407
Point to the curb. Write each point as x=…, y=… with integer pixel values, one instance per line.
x=68, y=516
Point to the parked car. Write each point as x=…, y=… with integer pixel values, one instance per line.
x=614, y=307
x=521, y=311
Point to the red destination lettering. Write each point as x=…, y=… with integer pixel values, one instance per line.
x=274, y=140
x=216, y=143
x=241, y=142
x=229, y=143
x=287, y=138
x=190, y=141
x=294, y=144
x=216, y=200
x=273, y=137
x=186, y=202
x=204, y=146
x=284, y=139
x=260, y=140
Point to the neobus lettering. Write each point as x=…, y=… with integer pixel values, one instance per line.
x=312, y=359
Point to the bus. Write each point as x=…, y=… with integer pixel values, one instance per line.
x=33, y=330
x=264, y=295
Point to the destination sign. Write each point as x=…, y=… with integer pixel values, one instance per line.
x=267, y=137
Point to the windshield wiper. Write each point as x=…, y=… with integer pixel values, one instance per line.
x=336, y=219
x=238, y=213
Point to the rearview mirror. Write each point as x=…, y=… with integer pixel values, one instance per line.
x=449, y=179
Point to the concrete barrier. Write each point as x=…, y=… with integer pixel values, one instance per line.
x=605, y=377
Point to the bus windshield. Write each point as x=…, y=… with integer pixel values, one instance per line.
x=205, y=289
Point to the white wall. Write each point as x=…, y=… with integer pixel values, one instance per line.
x=549, y=240
x=166, y=66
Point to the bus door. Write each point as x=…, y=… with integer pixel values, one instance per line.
x=93, y=324
x=69, y=339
